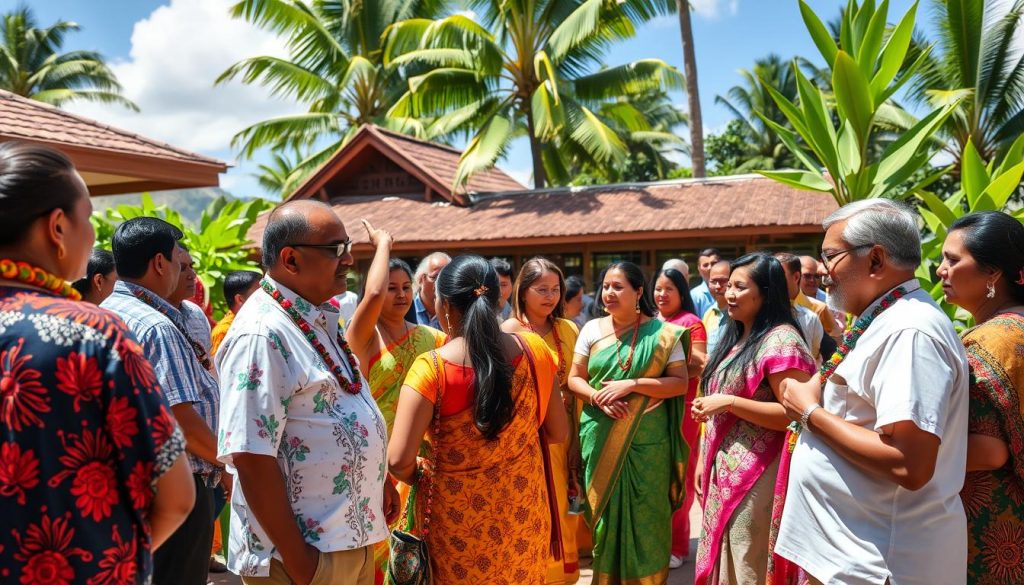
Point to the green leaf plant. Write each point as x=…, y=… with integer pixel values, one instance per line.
x=838, y=125
x=218, y=244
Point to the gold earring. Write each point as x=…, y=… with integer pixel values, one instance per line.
x=448, y=324
x=60, y=251
x=991, y=290
x=638, y=305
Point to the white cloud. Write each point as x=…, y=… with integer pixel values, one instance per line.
x=715, y=8
x=177, y=53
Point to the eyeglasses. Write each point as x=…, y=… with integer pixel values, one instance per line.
x=339, y=249
x=547, y=292
x=828, y=258
x=810, y=276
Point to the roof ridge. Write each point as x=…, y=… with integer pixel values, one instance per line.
x=7, y=95
x=572, y=189
x=411, y=138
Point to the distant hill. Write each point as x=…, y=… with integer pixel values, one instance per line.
x=190, y=203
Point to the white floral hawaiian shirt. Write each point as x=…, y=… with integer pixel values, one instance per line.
x=279, y=399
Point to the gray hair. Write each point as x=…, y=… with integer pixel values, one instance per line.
x=676, y=264
x=424, y=266
x=883, y=222
x=283, y=229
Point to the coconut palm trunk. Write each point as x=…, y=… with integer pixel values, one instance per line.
x=693, y=95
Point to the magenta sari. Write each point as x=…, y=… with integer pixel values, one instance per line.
x=742, y=449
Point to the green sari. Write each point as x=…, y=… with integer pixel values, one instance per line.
x=634, y=467
x=387, y=368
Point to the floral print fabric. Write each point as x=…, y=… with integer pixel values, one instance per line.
x=279, y=399
x=994, y=500
x=85, y=434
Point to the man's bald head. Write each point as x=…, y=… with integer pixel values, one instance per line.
x=677, y=264
x=295, y=222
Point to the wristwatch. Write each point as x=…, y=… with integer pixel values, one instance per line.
x=806, y=416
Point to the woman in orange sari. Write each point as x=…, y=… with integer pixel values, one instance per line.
x=385, y=343
x=482, y=502
x=537, y=303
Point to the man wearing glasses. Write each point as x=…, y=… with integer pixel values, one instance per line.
x=807, y=298
x=875, y=478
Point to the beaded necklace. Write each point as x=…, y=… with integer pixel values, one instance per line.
x=353, y=387
x=37, y=277
x=846, y=346
x=201, y=355
x=558, y=346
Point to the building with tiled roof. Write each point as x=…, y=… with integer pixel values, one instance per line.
x=110, y=160
x=404, y=185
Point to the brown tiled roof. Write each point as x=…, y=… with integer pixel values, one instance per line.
x=751, y=204
x=22, y=118
x=433, y=164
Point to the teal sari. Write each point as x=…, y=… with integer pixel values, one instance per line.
x=634, y=467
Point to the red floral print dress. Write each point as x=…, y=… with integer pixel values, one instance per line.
x=84, y=435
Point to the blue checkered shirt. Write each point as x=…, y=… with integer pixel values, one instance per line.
x=179, y=373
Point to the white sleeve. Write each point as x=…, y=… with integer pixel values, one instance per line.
x=589, y=334
x=912, y=381
x=678, y=354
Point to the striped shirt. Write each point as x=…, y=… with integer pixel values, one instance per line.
x=178, y=371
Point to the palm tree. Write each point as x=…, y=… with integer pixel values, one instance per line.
x=282, y=174
x=526, y=69
x=975, y=60
x=751, y=104
x=692, y=90
x=334, y=67
x=32, y=66
x=650, y=150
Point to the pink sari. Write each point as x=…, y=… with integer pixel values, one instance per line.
x=746, y=450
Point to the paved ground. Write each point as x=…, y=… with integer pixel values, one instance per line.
x=680, y=576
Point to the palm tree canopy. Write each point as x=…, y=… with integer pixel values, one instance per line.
x=32, y=66
x=527, y=68
x=334, y=66
x=975, y=60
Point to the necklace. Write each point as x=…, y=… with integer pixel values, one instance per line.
x=197, y=349
x=632, y=346
x=846, y=346
x=558, y=346
x=353, y=387
x=391, y=340
x=37, y=277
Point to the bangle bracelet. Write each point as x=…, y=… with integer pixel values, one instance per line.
x=806, y=416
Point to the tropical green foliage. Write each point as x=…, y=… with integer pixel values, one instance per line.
x=334, y=67
x=751, y=103
x=528, y=67
x=218, y=243
x=867, y=69
x=975, y=63
x=32, y=65
x=984, y=187
x=282, y=174
x=650, y=152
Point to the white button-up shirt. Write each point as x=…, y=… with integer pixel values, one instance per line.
x=279, y=399
x=845, y=526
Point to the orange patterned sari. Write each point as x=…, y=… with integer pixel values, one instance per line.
x=489, y=521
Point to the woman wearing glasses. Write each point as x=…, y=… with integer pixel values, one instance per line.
x=385, y=343
x=538, y=302
x=630, y=369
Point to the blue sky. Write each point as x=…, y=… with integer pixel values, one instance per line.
x=168, y=52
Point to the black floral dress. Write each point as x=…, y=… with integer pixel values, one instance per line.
x=84, y=435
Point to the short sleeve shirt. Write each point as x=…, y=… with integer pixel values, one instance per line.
x=844, y=526
x=811, y=327
x=85, y=434
x=178, y=371
x=280, y=400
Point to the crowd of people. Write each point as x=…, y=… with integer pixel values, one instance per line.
x=824, y=414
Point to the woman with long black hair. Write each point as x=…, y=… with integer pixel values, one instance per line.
x=745, y=421
x=483, y=507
